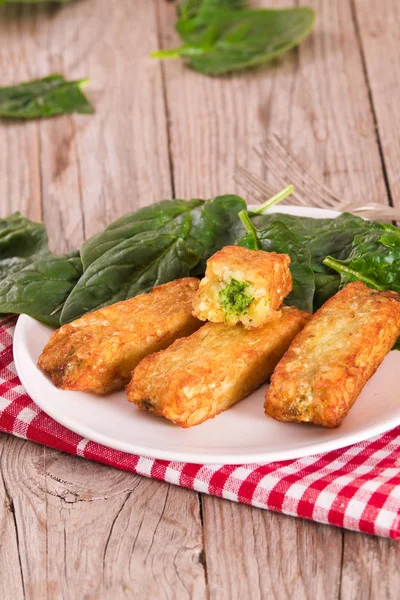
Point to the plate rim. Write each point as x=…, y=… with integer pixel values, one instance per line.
x=20, y=352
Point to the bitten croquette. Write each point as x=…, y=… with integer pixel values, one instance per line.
x=242, y=285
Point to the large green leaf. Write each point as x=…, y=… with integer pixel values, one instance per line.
x=154, y=245
x=46, y=97
x=21, y=242
x=40, y=288
x=217, y=41
x=374, y=259
x=191, y=8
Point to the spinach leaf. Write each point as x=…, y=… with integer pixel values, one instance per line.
x=190, y=8
x=326, y=286
x=304, y=227
x=336, y=238
x=218, y=40
x=21, y=242
x=133, y=267
x=162, y=216
x=322, y=237
x=32, y=280
x=46, y=97
x=154, y=245
x=217, y=218
x=374, y=259
x=40, y=288
x=277, y=237
x=338, y=233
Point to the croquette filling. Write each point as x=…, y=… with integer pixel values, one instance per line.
x=235, y=298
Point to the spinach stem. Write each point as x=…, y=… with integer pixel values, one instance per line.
x=289, y=189
x=171, y=53
x=249, y=227
x=341, y=268
x=82, y=83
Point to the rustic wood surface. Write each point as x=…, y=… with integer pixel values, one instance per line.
x=74, y=529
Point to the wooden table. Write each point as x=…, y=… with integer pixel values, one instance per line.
x=74, y=529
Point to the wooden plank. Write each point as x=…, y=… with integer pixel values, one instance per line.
x=22, y=471
x=379, y=35
x=20, y=183
x=11, y=582
x=113, y=534
x=370, y=568
x=251, y=553
x=119, y=155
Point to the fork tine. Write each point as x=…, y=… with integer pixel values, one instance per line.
x=253, y=180
x=282, y=167
x=252, y=184
x=274, y=154
x=323, y=191
x=259, y=189
x=281, y=171
x=279, y=162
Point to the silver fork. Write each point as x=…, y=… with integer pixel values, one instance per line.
x=284, y=169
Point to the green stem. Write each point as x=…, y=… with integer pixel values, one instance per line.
x=341, y=268
x=289, y=189
x=82, y=83
x=171, y=53
x=249, y=227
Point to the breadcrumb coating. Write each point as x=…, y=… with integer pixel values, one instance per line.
x=200, y=376
x=330, y=361
x=97, y=352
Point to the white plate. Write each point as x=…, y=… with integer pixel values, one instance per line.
x=238, y=436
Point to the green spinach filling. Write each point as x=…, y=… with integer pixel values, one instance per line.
x=235, y=297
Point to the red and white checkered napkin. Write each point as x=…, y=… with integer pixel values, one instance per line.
x=357, y=487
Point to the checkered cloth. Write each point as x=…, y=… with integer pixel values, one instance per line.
x=357, y=487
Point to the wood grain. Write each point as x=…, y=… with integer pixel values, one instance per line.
x=379, y=32
x=128, y=134
x=74, y=528
x=133, y=536
x=370, y=568
x=10, y=568
x=255, y=554
x=23, y=474
x=20, y=183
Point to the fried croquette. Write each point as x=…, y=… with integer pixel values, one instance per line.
x=333, y=357
x=97, y=352
x=200, y=376
x=242, y=285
